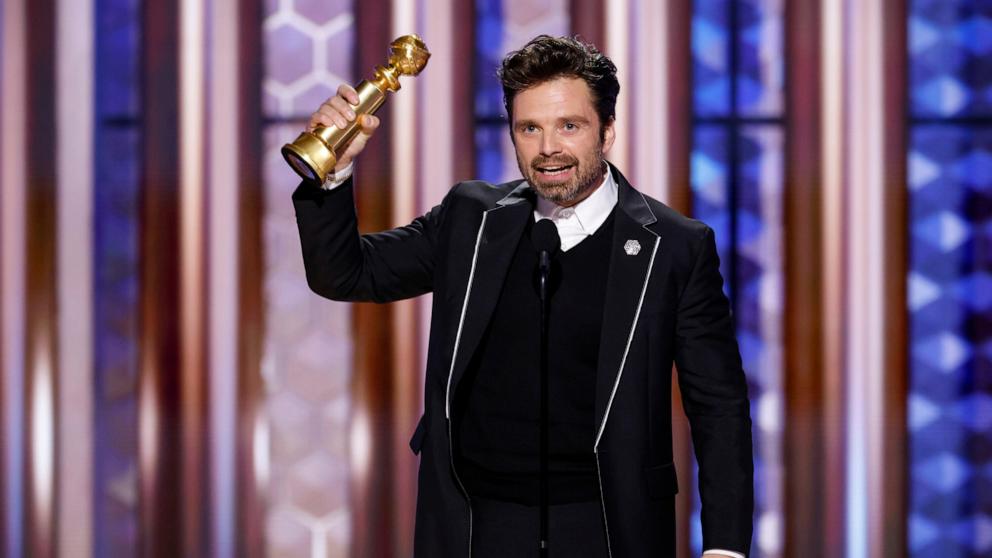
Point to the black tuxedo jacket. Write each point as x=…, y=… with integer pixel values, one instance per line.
x=664, y=304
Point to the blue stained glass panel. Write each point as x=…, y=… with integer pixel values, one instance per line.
x=950, y=306
x=738, y=65
x=117, y=57
x=489, y=141
x=710, y=63
x=488, y=92
x=758, y=303
x=756, y=82
x=737, y=166
x=760, y=71
x=949, y=297
x=488, y=55
x=743, y=206
x=117, y=165
x=950, y=48
x=710, y=190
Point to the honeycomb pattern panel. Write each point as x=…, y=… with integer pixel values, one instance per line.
x=308, y=48
x=306, y=368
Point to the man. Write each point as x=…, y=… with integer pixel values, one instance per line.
x=635, y=288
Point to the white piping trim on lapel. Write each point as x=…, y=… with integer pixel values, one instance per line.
x=451, y=371
x=630, y=337
x=461, y=320
x=505, y=201
x=602, y=503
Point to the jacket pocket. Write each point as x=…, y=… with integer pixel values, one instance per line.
x=662, y=481
x=417, y=441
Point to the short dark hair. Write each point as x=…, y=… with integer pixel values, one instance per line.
x=545, y=58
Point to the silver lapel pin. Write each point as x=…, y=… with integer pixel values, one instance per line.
x=632, y=247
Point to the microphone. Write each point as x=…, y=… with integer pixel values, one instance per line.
x=546, y=241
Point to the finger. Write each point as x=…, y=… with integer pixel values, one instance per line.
x=318, y=119
x=369, y=124
x=349, y=93
x=323, y=116
x=342, y=106
x=333, y=117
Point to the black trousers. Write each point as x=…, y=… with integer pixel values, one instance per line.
x=508, y=530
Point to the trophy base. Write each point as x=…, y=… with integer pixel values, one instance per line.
x=309, y=157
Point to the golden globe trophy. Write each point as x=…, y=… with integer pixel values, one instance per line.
x=314, y=154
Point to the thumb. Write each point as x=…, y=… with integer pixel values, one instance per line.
x=369, y=124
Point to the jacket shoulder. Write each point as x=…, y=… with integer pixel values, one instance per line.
x=673, y=225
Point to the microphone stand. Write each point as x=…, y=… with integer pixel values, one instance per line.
x=547, y=242
x=544, y=266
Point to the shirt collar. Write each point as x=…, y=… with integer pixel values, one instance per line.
x=590, y=212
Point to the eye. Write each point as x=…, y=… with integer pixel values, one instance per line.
x=571, y=126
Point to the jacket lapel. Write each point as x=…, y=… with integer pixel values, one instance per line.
x=631, y=260
x=497, y=241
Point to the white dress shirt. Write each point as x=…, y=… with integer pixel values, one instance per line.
x=574, y=225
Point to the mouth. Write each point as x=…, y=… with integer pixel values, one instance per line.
x=554, y=171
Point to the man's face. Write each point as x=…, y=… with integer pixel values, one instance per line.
x=556, y=134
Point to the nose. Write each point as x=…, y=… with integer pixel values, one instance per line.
x=550, y=144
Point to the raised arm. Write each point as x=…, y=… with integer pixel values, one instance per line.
x=340, y=263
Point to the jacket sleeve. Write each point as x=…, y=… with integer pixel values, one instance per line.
x=342, y=264
x=714, y=394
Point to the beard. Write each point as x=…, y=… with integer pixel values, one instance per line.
x=588, y=173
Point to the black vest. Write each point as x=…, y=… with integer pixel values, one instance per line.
x=496, y=407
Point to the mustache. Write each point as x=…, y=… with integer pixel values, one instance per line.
x=536, y=164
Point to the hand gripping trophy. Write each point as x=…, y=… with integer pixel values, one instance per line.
x=313, y=154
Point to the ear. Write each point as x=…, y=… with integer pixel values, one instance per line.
x=609, y=135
